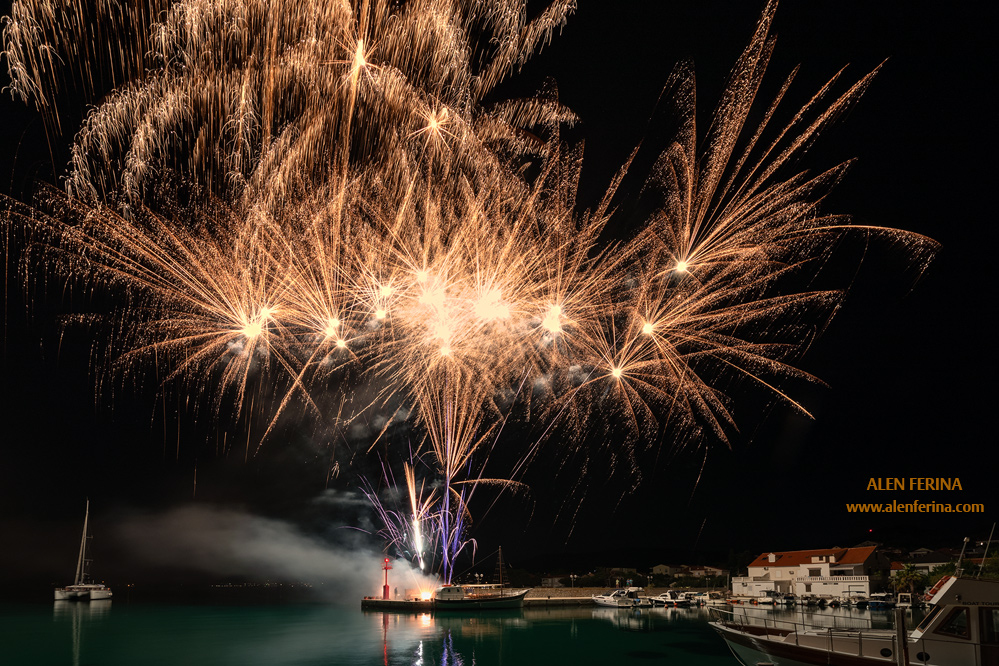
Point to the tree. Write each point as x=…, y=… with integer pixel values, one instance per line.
x=909, y=578
x=948, y=569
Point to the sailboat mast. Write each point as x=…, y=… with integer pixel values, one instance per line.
x=81, y=560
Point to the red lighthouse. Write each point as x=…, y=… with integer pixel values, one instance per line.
x=385, y=590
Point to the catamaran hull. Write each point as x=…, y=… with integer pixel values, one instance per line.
x=81, y=590
x=68, y=594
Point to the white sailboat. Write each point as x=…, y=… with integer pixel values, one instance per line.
x=82, y=589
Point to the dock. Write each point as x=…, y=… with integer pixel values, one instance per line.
x=397, y=605
x=555, y=602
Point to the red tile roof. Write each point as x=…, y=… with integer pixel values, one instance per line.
x=795, y=558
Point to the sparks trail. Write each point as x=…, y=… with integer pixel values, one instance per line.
x=354, y=220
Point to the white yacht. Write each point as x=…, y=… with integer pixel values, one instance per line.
x=622, y=598
x=82, y=588
x=961, y=629
x=672, y=599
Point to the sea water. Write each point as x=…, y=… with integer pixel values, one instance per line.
x=113, y=633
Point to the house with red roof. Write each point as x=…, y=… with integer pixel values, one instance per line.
x=832, y=572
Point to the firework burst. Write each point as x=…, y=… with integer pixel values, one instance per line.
x=355, y=215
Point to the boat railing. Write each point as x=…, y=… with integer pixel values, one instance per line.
x=756, y=616
x=842, y=640
x=864, y=642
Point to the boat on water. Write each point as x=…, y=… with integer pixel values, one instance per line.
x=716, y=599
x=83, y=589
x=961, y=629
x=908, y=600
x=620, y=598
x=671, y=599
x=452, y=597
x=477, y=597
x=880, y=601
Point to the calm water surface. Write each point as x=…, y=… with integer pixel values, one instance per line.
x=118, y=633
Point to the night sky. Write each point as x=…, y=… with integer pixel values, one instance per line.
x=909, y=360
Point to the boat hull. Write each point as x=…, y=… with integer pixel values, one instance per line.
x=960, y=632
x=468, y=603
x=82, y=593
x=751, y=650
x=614, y=603
x=481, y=603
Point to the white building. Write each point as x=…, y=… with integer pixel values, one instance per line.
x=834, y=572
x=700, y=571
x=666, y=570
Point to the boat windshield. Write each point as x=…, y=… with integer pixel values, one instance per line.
x=928, y=618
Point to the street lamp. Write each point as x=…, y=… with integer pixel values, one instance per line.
x=572, y=579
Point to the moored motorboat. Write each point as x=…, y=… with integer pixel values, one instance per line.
x=880, y=601
x=908, y=600
x=619, y=598
x=672, y=599
x=959, y=630
x=716, y=599
x=82, y=588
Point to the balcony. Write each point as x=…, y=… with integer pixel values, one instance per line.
x=832, y=579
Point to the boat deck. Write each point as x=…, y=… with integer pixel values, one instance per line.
x=872, y=644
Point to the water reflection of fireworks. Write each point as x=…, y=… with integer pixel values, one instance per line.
x=351, y=213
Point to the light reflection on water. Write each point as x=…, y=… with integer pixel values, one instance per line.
x=99, y=633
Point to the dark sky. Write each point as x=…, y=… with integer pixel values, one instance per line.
x=909, y=360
